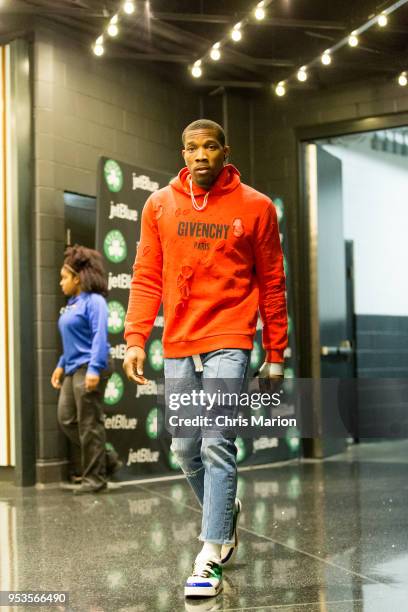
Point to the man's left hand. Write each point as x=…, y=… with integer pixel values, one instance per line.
x=268, y=370
x=91, y=382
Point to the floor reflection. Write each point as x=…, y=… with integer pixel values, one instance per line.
x=314, y=536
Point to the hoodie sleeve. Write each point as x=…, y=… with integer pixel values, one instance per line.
x=98, y=322
x=146, y=285
x=272, y=287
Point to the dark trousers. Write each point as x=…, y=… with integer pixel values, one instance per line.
x=80, y=415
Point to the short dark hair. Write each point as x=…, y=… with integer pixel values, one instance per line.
x=205, y=124
x=88, y=265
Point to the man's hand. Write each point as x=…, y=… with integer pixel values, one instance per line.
x=56, y=376
x=133, y=365
x=268, y=370
x=268, y=378
x=91, y=382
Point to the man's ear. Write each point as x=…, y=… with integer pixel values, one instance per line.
x=183, y=153
x=226, y=153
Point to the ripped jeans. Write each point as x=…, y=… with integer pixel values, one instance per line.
x=209, y=463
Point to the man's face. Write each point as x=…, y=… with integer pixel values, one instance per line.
x=204, y=156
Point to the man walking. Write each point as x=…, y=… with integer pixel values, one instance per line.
x=210, y=250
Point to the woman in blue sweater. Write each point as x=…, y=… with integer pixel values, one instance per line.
x=83, y=369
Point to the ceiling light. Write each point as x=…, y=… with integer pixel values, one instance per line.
x=129, y=7
x=113, y=29
x=259, y=12
x=196, y=70
x=402, y=79
x=326, y=58
x=236, y=33
x=280, y=89
x=215, y=53
x=98, y=50
x=353, y=40
x=302, y=74
x=382, y=20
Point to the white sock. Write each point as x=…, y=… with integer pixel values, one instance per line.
x=210, y=552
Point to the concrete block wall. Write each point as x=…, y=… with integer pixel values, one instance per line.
x=86, y=107
x=276, y=164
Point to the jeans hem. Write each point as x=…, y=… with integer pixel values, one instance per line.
x=221, y=542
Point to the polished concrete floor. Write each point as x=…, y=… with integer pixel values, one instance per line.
x=317, y=536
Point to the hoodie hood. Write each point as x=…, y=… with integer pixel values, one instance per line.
x=227, y=180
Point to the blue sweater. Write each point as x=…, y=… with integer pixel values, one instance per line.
x=83, y=325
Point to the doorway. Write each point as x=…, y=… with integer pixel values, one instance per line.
x=80, y=219
x=356, y=192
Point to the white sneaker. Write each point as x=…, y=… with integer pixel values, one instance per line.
x=228, y=551
x=205, y=581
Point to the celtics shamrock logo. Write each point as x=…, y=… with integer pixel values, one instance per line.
x=241, y=449
x=256, y=356
x=154, y=423
x=155, y=354
x=114, y=390
x=292, y=439
x=157, y=537
x=114, y=246
x=116, y=317
x=294, y=487
x=113, y=175
x=260, y=515
x=173, y=463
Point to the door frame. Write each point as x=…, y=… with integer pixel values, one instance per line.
x=307, y=265
x=308, y=327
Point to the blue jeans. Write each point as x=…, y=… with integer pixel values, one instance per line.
x=209, y=463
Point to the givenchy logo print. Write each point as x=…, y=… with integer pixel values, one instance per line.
x=202, y=230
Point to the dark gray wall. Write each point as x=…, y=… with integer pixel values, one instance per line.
x=382, y=346
x=277, y=164
x=85, y=107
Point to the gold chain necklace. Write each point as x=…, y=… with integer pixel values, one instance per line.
x=193, y=200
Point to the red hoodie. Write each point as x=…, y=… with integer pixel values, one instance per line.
x=212, y=269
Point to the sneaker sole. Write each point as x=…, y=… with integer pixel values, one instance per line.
x=194, y=591
x=232, y=553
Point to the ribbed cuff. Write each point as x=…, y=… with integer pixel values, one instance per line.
x=273, y=356
x=135, y=340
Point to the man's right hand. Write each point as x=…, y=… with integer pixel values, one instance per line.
x=133, y=365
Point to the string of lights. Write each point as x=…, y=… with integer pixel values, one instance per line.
x=352, y=40
x=301, y=74
x=112, y=29
x=257, y=14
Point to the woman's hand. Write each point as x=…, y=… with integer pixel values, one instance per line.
x=91, y=382
x=56, y=378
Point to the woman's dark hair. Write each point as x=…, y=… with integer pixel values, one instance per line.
x=88, y=265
